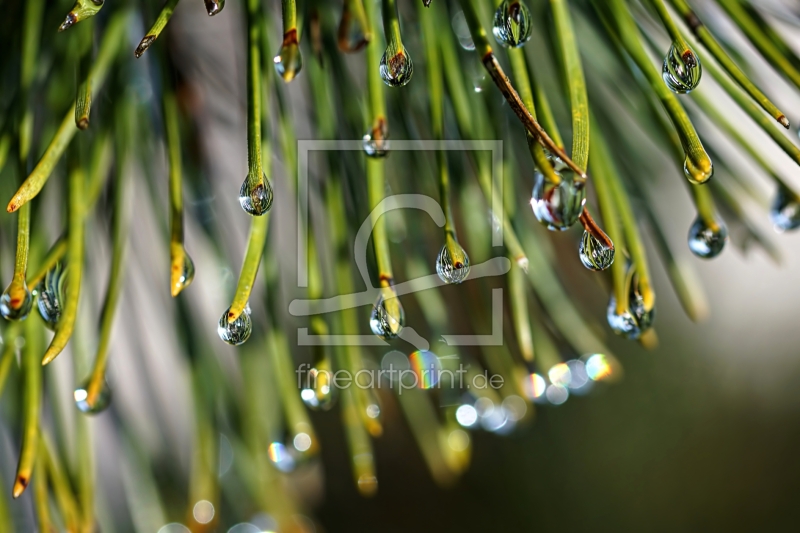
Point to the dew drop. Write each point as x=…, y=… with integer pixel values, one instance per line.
x=214, y=6
x=51, y=292
x=396, y=67
x=707, y=241
x=376, y=140
x=318, y=393
x=696, y=175
x=644, y=318
x=387, y=317
x=461, y=29
x=557, y=205
x=289, y=60
x=785, y=210
x=16, y=302
x=622, y=323
x=636, y=319
x=238, y=331
x=512, y=24
x=351, y=35
x=101, y=401
x=452, y=263
x=182, y=272
x=594, y=254
x=681, y=70
x=255, y=196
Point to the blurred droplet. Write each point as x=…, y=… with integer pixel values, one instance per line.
x=461, y=29
x=535, y=386
x=214, y=6
x=51, y=291
x=387, y=317
x=225, y=455
x=376, y=140
x=203, y=512
x=426, y=367
x=556, y=394
x=557, y=205
x=578, y=377
x=174, y=527
x=594, y=254
x=396, y=67
x=458, y=440
x=16, y=302
x=319, y=391
x=245, y=528
x=101, y=401
x=707, y=241
x=289, y=60
x=255, y=196
x=681, y=70
x=302, y=442
x=466, y=415
x=182, y=272
x=785, y=210
x=238, y=331
x=598, y=367
x=452, y=263
x=367, y=484
x=560, y=375
x=512, y=24
x=514, y=408
x=280, y=457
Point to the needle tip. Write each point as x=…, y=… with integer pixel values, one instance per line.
x=20, y=485
x=784, y=121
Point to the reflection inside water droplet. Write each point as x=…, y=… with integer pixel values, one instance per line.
x=16, y=301
x=235, y=332
x=51, y=291
x=256, y=196
x=707, y=240
x=376, y=140
x=557, y=205
x=396, y=67
x=461, y=29
x=101, y=401
x=182, y=271
x=594, y=254
x=785, y=210
x=387, y=317
x=512, y=24
x=452, y=263
x=214, y=6
x=681, y=70
x=289, y=60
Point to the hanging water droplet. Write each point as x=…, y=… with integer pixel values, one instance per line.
x=101, y=401
x=182, y=271
x=705, y=240
x=51, y=296
x=318, y=393
x=396, y=67
x=785, y=210
x=644, y=318
x=376, y=140
x=512, y=24
x=387, y=317
x=622, y=323
x=289, y=60
x=594, y=254
x=461, y=29
x=681, y=70
x=238, y=331
x=695, y=174
x=452, y=263
x=16, y=301
x=352, y=34
x=557, y=205
x=256, y=196
x=214, y=6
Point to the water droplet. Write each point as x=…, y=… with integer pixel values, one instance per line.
x=512, y=24
x=785, y=210
x=256, y=196
x=598, y=367
x=534, y=387
x=461, y=29
x=238, y=331
x=182, y=271
x=681, y=70
x=289, y=61
x=594, y=254
x=426, y=367
x=622, y=323
x=376, y=140
x=705, y=240
x=644, y=318
x=396, y=67
x=16, y=302
x=452, y=263
x=319, y=391
x=280, y=457
x=636, y=319
x=352, y=34
x=214, y=6
x=51, y=292
x=695, y=174
x=557, y=205
x=466, y=415
x=557, y=394
x=100, y=403
x=387, y=317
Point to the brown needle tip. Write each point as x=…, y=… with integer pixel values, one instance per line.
x=19, y=486
x=784, y=121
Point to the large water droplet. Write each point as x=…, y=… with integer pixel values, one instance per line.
x=214, y=6
x=256, y=196
x=318, y=393
x=512, y=24
x=387, y=317
x=396, y=67
x=557, y=205
x=461, y=29
x=622, y=323
x=695, y=174
x=785, y=210
x=594, y=254
x=16, y=302
x=632, y=322
x=452, y=263
x=376, y=140
x=289, y=61
x=182, y=272
x=238, y=331
x=51, y=296
x=681, y=70
x=706, y=240
x=100, y=403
